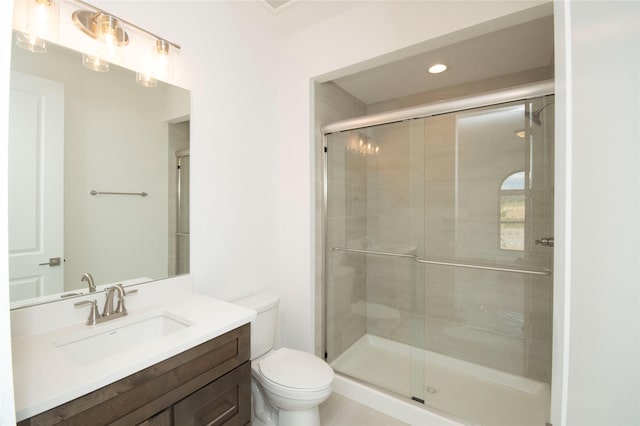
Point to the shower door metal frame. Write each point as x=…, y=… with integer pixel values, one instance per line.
x=180, y=155
x=518, y=93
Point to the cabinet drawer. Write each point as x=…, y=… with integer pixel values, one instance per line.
x=226, y=401
x=164, y=418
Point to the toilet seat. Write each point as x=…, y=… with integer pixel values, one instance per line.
x=297, y=370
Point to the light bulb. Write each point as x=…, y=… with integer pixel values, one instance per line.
x=42, y=11
x=437, y=68
x=161, y=60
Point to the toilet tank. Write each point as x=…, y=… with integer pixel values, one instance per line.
x=263, y=328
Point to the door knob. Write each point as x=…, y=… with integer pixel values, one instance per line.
x=54, y=261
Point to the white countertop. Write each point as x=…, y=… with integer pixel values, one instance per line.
x=44, y=377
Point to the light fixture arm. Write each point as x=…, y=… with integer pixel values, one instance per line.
x=130, y=24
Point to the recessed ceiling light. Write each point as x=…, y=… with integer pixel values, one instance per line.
x=437, y=68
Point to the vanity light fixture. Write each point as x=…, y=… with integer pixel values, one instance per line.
x=101, y=26
x=109, y=31
x=437, y=68
x=41, y=21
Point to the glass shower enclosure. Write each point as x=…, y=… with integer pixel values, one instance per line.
x=439, y=254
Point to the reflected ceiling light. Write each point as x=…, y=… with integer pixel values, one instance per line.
x=365, y=145
x=520, y=133
x=437, y=68
x=146, y=80
x=31, y=43
x=94, y=63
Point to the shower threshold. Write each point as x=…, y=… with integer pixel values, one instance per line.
x=482, y=395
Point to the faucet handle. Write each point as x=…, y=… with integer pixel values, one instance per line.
x=121, y=294
x=93, y=314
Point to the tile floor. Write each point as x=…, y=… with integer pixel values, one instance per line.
x=341, y=411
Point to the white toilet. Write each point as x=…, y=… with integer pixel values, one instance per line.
x=287, y=385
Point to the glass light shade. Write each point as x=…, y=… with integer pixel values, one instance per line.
x=31, y=43
x=94, y=63
x=42, y=18
x=162, y=64
x=110, y=37
x=107, y=29
x=146, y=80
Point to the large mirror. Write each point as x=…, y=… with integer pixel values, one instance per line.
x=98, y=178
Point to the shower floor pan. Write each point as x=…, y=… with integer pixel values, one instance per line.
x=479, y=394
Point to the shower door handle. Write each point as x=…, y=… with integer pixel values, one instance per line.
x=545, y=241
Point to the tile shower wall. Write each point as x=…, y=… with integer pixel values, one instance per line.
x=334, y=104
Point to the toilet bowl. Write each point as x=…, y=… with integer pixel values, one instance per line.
x=287, y=385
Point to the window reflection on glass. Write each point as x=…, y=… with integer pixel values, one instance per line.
x=512, y=212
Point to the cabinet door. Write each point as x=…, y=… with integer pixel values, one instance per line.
x=225, y=401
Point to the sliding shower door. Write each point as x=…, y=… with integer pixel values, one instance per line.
x=439, y=251
x=375, y=225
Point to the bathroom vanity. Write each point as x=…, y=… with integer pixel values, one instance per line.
x=180, y=360
x=208, y=384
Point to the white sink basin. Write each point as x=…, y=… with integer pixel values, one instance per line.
x=124, y=333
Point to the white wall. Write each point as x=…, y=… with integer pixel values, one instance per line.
x=598, y=85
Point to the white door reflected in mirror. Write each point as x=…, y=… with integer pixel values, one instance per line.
x=36, y=187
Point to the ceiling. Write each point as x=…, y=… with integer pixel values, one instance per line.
x=286, y=17
x=523, y=47
x=277, y=4
x=519, y=48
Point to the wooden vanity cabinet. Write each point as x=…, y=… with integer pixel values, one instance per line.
x=209, y=384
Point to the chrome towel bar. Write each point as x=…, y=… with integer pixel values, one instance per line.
x=453, y=264
x=141, y=194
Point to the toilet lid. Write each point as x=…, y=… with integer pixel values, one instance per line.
x=296, y=369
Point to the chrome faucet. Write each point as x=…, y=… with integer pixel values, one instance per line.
x=108, y=312
x=120, y=309
x=89, y=279
x=108, y=303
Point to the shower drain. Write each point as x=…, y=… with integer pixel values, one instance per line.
x=432, y=390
